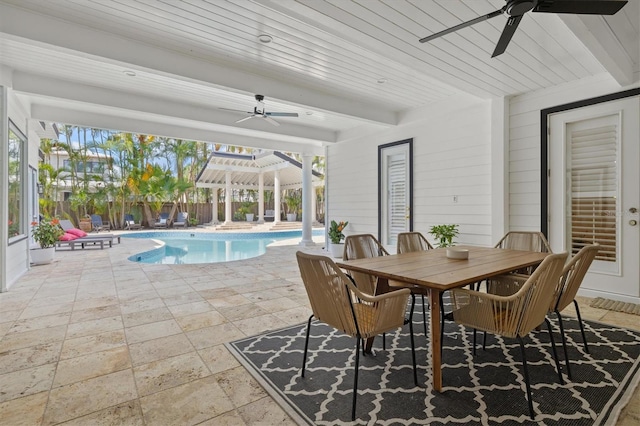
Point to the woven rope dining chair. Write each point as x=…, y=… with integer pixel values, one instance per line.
x=517, y=315
x=411, y=242
x=363, y=246
x=336, y=301
x=572, y=276
x=506, y=284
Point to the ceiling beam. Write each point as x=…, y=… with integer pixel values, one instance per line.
x=596, y=35
x=113, y=48
x=158, y=107
x=101, y=120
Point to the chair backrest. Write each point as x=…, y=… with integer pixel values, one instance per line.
x=128, y=218
x=66, y=224
x=329, y=290
x=525, y=240
x=536, y=293
x=363, y=246
x=412, y=241
x=96, y=220
x=164, y=216
x=572, y=276
x=182, y=217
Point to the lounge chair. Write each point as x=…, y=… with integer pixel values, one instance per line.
x=98, y=225
x=181, y=220
x=67, y=227
x=130, y=223
x=163, y=221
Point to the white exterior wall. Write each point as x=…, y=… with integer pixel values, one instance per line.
x=524, y=143
x=18, y=252
x=451, y=156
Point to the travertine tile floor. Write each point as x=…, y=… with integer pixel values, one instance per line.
x=94, y=339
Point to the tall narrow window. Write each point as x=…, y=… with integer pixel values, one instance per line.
x=16, y=198
x=593, y=177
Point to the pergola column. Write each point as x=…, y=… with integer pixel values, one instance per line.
x=227, y=198
x=314, y=213
x=261, y=197
x=276, y=196
x=307, y=197
x=214, y=207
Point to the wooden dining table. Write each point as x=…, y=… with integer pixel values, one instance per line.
x=434, y=270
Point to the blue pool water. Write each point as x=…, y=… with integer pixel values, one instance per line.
x=207, y=247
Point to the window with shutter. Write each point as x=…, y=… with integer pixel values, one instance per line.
x=593, y=184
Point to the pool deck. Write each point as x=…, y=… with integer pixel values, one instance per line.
x=96, y=339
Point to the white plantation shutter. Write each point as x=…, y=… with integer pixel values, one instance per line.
x=397, y=175
x=594, y=188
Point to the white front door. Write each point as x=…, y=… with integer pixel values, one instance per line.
x=594, y=192
x=395, y=192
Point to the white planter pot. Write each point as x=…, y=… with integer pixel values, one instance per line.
x=249, y=217
x=40, y=256
x=336, y=250
x=291, y=217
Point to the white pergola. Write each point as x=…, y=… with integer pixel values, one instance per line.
x=271, y=170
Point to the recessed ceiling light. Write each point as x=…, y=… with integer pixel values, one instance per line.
x=129, y=73
x=382, y=80
x=265, y=38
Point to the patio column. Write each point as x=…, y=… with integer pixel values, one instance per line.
x=227, y=198
x=314, y=214
x=214, y=207
x=261, y=197
x=307, y=197
x=276, y=196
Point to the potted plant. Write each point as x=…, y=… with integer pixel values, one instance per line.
x=293, y=205
x=45, y=233
x=444, y=234
x=336, y=236
x=245, y=211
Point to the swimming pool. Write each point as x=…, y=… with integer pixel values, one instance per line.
x=208, y=247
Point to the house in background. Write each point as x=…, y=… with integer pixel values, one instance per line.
x=414, y=134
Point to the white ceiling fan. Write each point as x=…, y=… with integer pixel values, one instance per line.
x=259, y=112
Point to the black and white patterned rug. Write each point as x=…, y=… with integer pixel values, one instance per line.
x=482, y=390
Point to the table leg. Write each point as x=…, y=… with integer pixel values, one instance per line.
x=435, y=339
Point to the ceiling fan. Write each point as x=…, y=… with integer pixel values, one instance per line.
x=259, y=112
x=515, y=10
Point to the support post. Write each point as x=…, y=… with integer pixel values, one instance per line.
x=227, y=198
x=307, y=196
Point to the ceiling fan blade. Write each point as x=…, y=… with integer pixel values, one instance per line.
x=270, y=120
x=281, y=114
x=236, y=110
x=507, y=33
x=586, y=7
x=245, y=119
x=463, y=25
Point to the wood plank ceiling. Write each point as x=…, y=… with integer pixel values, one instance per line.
x=341, y=65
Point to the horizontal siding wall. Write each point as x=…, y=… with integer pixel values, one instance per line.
x=524, y=144
x=451, y=157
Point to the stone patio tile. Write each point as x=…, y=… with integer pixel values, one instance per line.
x=167, y=373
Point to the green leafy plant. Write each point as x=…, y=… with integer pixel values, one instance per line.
x=444, y=234
x=335, y=231
x=47, y=232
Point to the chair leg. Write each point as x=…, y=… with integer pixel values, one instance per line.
x=555, y=353
x=584, y=337
x=442, y=315
x=484, y=341
x=355, y=380
x=526, y=376
x=424, y=317
x=306, y=346
x=564, y=344
x=474, y=341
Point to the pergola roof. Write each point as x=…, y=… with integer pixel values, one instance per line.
x=246, y=168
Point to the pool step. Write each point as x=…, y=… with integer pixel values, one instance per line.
x=234, y=226
x=279, y=226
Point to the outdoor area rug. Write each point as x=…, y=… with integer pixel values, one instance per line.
x=482, y=390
